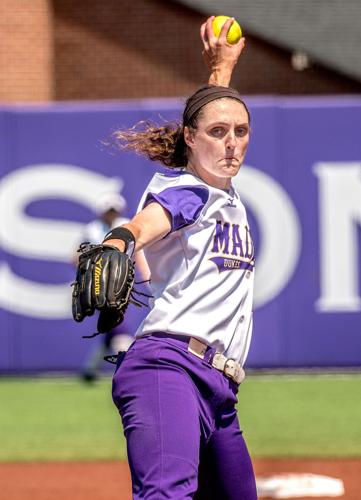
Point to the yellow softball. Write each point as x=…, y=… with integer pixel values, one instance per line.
x=234, y=33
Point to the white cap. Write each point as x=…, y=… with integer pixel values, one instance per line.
x=108, y=201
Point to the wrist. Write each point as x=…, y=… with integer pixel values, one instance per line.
x=118, y=244
x=221, y=76
x=121, y=238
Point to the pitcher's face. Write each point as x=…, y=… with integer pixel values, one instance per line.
x=218, y=145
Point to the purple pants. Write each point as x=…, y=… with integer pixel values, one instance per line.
x=180, y=423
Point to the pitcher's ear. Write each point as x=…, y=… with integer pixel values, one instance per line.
x=188, y=137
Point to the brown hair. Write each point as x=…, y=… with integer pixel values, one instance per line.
x=165, y=143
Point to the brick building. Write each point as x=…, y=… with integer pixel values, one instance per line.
x=115, y=49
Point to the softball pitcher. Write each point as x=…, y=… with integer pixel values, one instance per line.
x=176, y=387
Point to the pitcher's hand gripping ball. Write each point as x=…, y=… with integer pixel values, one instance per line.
x=234, y=33
x=104, y=281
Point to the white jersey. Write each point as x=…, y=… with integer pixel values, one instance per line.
x=202, y=272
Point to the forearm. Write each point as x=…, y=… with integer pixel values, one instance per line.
x=140, y=237
x=143, y=234
x=120, y=244
x=147, y=227
x=221, y=76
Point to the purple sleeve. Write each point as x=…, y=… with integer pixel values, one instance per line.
x=183, y=203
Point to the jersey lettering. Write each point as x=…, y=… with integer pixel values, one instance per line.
x=237, y=242
x=242, y=250
x=221, y=238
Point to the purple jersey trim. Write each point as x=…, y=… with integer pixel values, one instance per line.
x=183, y=203
x=174, y=172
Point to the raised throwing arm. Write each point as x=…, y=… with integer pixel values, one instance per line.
x=220, y=56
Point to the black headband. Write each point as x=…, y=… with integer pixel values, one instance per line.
x=205, y=95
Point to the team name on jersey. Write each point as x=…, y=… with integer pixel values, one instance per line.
x=231, y=250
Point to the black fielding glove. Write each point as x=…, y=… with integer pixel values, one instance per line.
x=104, y=281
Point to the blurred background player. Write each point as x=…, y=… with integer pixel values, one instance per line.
x=109, y=210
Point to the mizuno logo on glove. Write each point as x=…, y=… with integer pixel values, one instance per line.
x=104, y=282
x=97, y=274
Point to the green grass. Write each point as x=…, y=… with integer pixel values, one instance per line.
x=58, y=419
x=302, y=416
x=62, y=419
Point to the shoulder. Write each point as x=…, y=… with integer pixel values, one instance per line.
x=178, y=187
x=182, y=195
x=176, y=177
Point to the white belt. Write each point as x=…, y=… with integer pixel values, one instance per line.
x=228, y=366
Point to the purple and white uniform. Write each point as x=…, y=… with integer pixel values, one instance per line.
x=203, y=282
x=178, y=412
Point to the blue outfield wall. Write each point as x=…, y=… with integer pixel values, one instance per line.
x=301, y=184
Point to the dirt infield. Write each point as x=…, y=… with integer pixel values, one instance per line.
x=110, y=480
